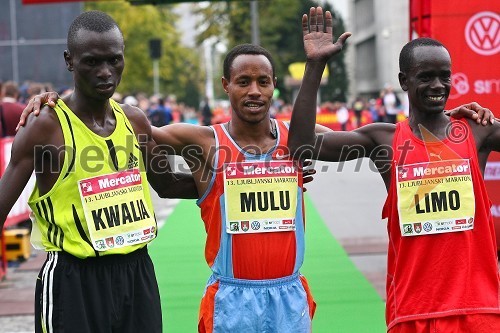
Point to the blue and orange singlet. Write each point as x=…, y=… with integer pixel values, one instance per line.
x=252, y=256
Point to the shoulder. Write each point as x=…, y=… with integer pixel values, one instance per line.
x=377, y=128
x=46, y=119
x=137, y=118
x=41, y=129
x=480, y=132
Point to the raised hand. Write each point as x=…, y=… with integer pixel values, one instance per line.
x=318, y=35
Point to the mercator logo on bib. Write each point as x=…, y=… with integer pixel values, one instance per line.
x=435, y=197
x=260, y=196
x=116, y=210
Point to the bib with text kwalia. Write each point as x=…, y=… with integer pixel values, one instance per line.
x=116, y=210
x=435, y=197
x=260, y=196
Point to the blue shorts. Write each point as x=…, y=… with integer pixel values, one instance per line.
x=278, y=305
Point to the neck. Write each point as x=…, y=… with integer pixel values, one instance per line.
x=256, y=138
x=86, y=107
x=433, y=122
x=250, y=131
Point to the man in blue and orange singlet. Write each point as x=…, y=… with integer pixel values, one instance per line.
x=93, y=214
x=442, y=257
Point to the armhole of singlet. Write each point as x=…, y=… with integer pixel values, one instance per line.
x=215, y=168
x=385, y=208
x=69, y=158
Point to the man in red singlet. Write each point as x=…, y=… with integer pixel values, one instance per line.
x=442, y=260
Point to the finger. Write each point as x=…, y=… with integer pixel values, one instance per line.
x=24, y=114
x=329, y=23
x=305, y=25
x=341, y=40
x=37, y=103
x=480, y=115
x=306, y=163
x=312, y=19
x=319, y=19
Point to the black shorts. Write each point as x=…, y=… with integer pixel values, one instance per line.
x=115, y=293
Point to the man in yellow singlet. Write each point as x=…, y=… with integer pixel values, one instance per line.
x=92, y=158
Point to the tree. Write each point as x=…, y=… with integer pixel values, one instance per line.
x=179, y=73
x=280, y=33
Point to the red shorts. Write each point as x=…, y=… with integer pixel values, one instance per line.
x=477, y=323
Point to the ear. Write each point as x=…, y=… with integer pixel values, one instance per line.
x=225, y=84
x=68, y=60
x=403, y=81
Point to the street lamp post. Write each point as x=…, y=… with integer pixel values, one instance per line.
x=254, y=12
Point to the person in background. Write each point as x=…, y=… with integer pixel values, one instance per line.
x=10, y=108
x=358, y=106
x=342, y=115
x=390, y=102
x=206, y=112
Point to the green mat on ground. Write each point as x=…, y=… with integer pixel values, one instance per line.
x=347, y=303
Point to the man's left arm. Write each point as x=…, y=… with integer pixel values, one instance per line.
x=473, y=111
x=164, y=181
x=492, y=140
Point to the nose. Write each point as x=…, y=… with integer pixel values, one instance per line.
x=436, y=83
x=254, y=89
x=104, y=71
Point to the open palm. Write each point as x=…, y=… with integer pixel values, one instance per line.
x=318, y=35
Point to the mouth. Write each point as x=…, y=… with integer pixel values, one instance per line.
x=436, y=98
x=105, y=87
x=253, y=105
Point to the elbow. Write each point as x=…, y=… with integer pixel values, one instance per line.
x=301, y=150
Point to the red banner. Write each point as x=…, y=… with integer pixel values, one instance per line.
x=471, y=32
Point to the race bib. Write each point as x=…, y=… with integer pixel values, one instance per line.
x=435, y=197
x=116, y=210
x=260, y=196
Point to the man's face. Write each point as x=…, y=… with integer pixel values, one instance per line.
x=428, y=81
x=250, y=87
x=97, y=62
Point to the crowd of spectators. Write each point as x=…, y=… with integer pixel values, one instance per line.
x=165, y=109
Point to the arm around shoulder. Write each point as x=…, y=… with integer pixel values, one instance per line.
x=164, y=181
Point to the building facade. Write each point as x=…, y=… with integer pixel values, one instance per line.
x=380, y=29
x=33, y=39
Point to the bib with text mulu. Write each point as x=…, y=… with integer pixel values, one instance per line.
x=116, y=210
x=435, y=197
x=260, y=196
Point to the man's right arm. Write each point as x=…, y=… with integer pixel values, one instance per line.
x=22, y=161
x=304, y=141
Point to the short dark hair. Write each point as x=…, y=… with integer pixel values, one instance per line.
x=10, y=89
x=245, y=49
x=93, y=20
x=405, y=56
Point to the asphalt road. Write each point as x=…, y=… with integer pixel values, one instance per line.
x=349, y=197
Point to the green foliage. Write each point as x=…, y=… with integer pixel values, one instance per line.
x=280, y=33
x=179, y=73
